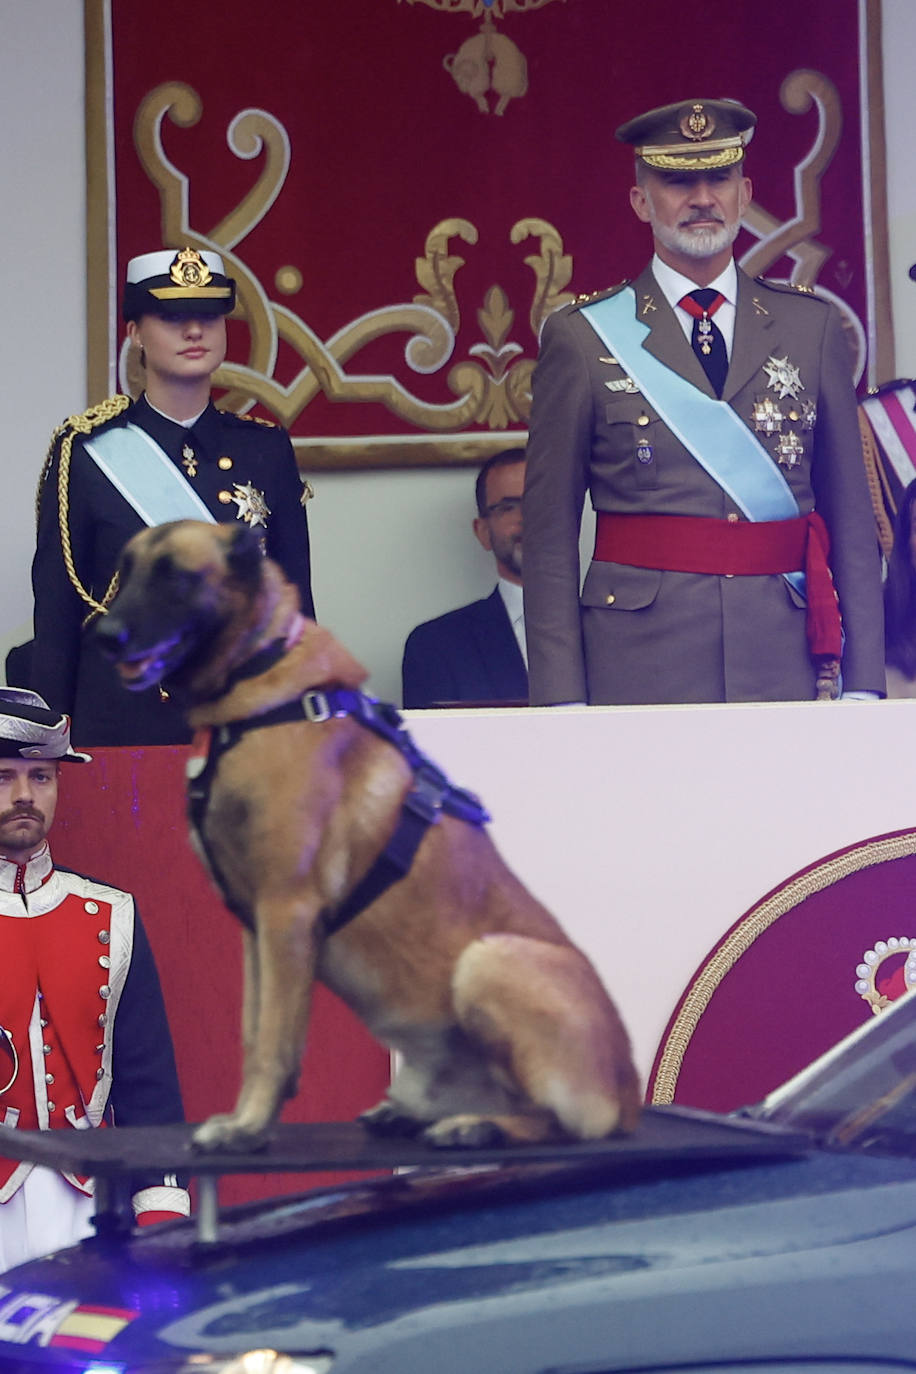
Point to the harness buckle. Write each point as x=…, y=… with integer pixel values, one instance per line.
x=426, y=796
x=316, y=707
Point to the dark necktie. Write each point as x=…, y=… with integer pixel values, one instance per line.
x=708, y=343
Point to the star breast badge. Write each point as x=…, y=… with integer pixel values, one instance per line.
x=253, y=508
x=783, y=377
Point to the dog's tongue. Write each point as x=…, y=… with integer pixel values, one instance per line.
x=136, y=668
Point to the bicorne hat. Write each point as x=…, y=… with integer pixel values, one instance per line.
x=29, y=729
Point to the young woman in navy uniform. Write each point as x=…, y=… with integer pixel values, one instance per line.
x=106, y=476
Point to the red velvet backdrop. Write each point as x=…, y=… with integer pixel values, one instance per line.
x=121, y=819
x=384, y=144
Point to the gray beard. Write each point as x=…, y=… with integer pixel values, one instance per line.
x=697, y=243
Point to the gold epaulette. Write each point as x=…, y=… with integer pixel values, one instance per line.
x=797, y=288
x=64, y=435
x=589, y=297
x=586, y=297
x=252, y=419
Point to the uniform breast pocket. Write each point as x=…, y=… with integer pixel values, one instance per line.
x=633, y=439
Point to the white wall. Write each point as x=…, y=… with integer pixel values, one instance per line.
x=42, y=340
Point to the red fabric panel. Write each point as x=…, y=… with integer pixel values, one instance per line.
x=121, y=819
x=791, y=995
x=384, y=145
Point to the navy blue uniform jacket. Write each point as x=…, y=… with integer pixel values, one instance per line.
x=66, y=667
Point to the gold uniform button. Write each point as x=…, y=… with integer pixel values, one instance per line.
x=225, y=463
x=225, y=497
x=643, y=420
x=610, y=599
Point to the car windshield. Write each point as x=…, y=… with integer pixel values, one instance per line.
x=862, y=1093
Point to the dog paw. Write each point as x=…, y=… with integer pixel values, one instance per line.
x=387, y=1119
x=467, y=1132
x=224, y=1134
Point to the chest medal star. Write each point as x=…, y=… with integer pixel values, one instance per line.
x=783, y=377
x=253, y=508
x=767, y=416
x=789, y=450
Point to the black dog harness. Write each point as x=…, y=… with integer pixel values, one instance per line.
x=431, y=794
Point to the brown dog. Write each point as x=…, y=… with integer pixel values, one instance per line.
x=504, y=1028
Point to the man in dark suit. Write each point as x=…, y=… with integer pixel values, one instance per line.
x=477, y=653
x=712, y=418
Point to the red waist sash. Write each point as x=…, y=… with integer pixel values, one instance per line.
x=742, y=548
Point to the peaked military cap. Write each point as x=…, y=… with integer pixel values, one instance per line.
x=184, y=283
x=29, y=729
x=691, y=135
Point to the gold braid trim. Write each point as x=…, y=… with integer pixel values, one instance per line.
x=75, y=425
x=757, y=920
x=873, y=475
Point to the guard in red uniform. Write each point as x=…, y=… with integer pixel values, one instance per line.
x=84, y=1039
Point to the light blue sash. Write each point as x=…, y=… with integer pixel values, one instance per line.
x=713, y=432
x=145, y=476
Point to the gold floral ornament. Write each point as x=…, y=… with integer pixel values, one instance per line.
x=489, y=61
x=491, y=388
x=500, y=389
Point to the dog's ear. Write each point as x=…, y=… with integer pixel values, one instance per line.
x=244, y=554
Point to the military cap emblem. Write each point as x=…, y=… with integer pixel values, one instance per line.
x=189, y=269
x=696, y=124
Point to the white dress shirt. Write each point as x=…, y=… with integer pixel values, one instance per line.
x=674, y=286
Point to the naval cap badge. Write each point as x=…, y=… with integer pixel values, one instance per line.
x=189, y=269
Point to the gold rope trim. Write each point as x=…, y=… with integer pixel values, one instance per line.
x=65, y=434
x=759, y=919
x=875, y=491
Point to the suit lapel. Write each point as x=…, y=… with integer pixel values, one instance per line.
x=752, y=343
x=666, y=339
x=499, y=649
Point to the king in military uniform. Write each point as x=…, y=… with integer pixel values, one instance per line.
x=122, y=465
x=712, y=418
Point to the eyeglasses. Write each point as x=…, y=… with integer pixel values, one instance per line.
x=507, y=506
